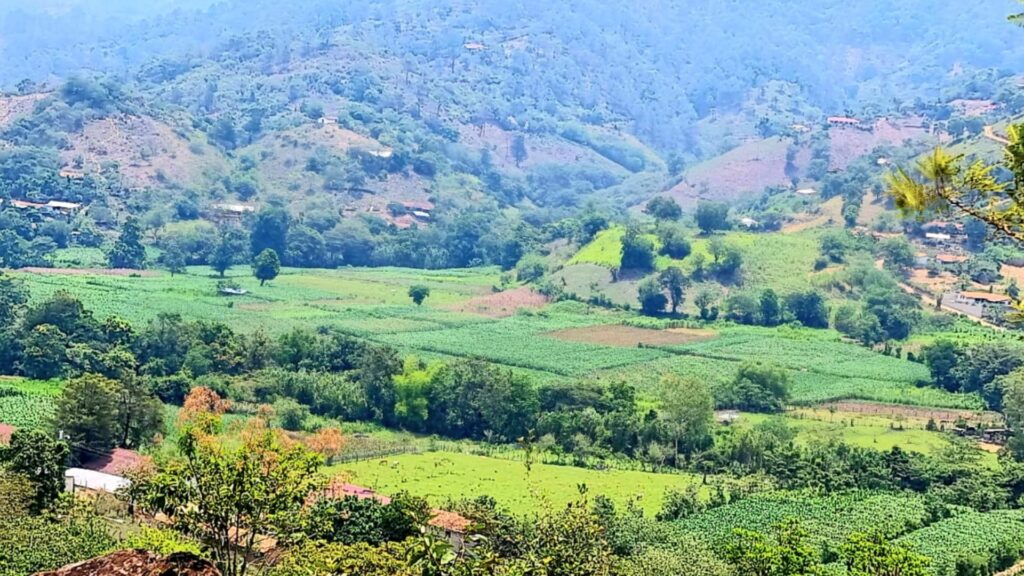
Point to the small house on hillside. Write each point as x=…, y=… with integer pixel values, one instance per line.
x=950, y=262
x=451, y=526
x=231, y=212
x=843, y=121
x=937, y=239
x=64, y=208
x=71, y=174
x=984, y=299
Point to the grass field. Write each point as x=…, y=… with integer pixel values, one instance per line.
x=780, y=261
x=443, y=476
x=865, y=431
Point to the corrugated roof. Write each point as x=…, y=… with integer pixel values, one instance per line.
x=987, y=297
x=93, y=480
x=118, y=462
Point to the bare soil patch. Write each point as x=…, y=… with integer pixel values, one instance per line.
x=830, y=212
x=1013, y=272
x=631, y=337
x=122, y=272
x=849, y=144
x=503, y=304
x=14, y=107
x=148, y=152
x=911, y=412
x=745, y=169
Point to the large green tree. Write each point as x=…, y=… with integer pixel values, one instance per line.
x=266, y=266
x=87, y=413
x=40, y=458
x=127, y=251
x=687, y=409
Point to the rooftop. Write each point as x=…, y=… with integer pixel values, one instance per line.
x=94, y=480
x=450, y=521
x=987, y=297
x=842, y=120
x=117, y=463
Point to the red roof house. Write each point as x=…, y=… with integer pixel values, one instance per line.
x=117, y=462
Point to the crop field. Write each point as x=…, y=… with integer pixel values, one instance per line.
x=558, y=342
x=822, y=368
x=523, y=341
x=443, y=476
x=995, y=539
x=27, y=403
x=828, y=519
x=344, y=297
x=630, y=337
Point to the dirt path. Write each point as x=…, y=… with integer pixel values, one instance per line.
x=990, y=133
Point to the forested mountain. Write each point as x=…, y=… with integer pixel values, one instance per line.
x=475, y=119
x=656, y=68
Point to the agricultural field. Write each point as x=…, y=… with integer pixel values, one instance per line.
x=828, y=519
x=822, y=368
x=465, y=317
x=358, y=300
x=523, y=341
x=990, y=541
x=443, y=476
x=27, y=403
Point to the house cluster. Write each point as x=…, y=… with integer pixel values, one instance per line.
x=106, y=474
x=50, y=209
x=998, y=436
x=444, y=524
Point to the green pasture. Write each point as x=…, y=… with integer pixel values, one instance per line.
x=444, y=476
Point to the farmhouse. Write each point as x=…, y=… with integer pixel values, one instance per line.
x=843, y=121
x=937, y=239
x=231, y=212
x=71, y=174
x=950, y=262
x=450, y=526
x=984, y=299
x=104, y=474
x=748, y=223
x=806, y=192
x=66, y=208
